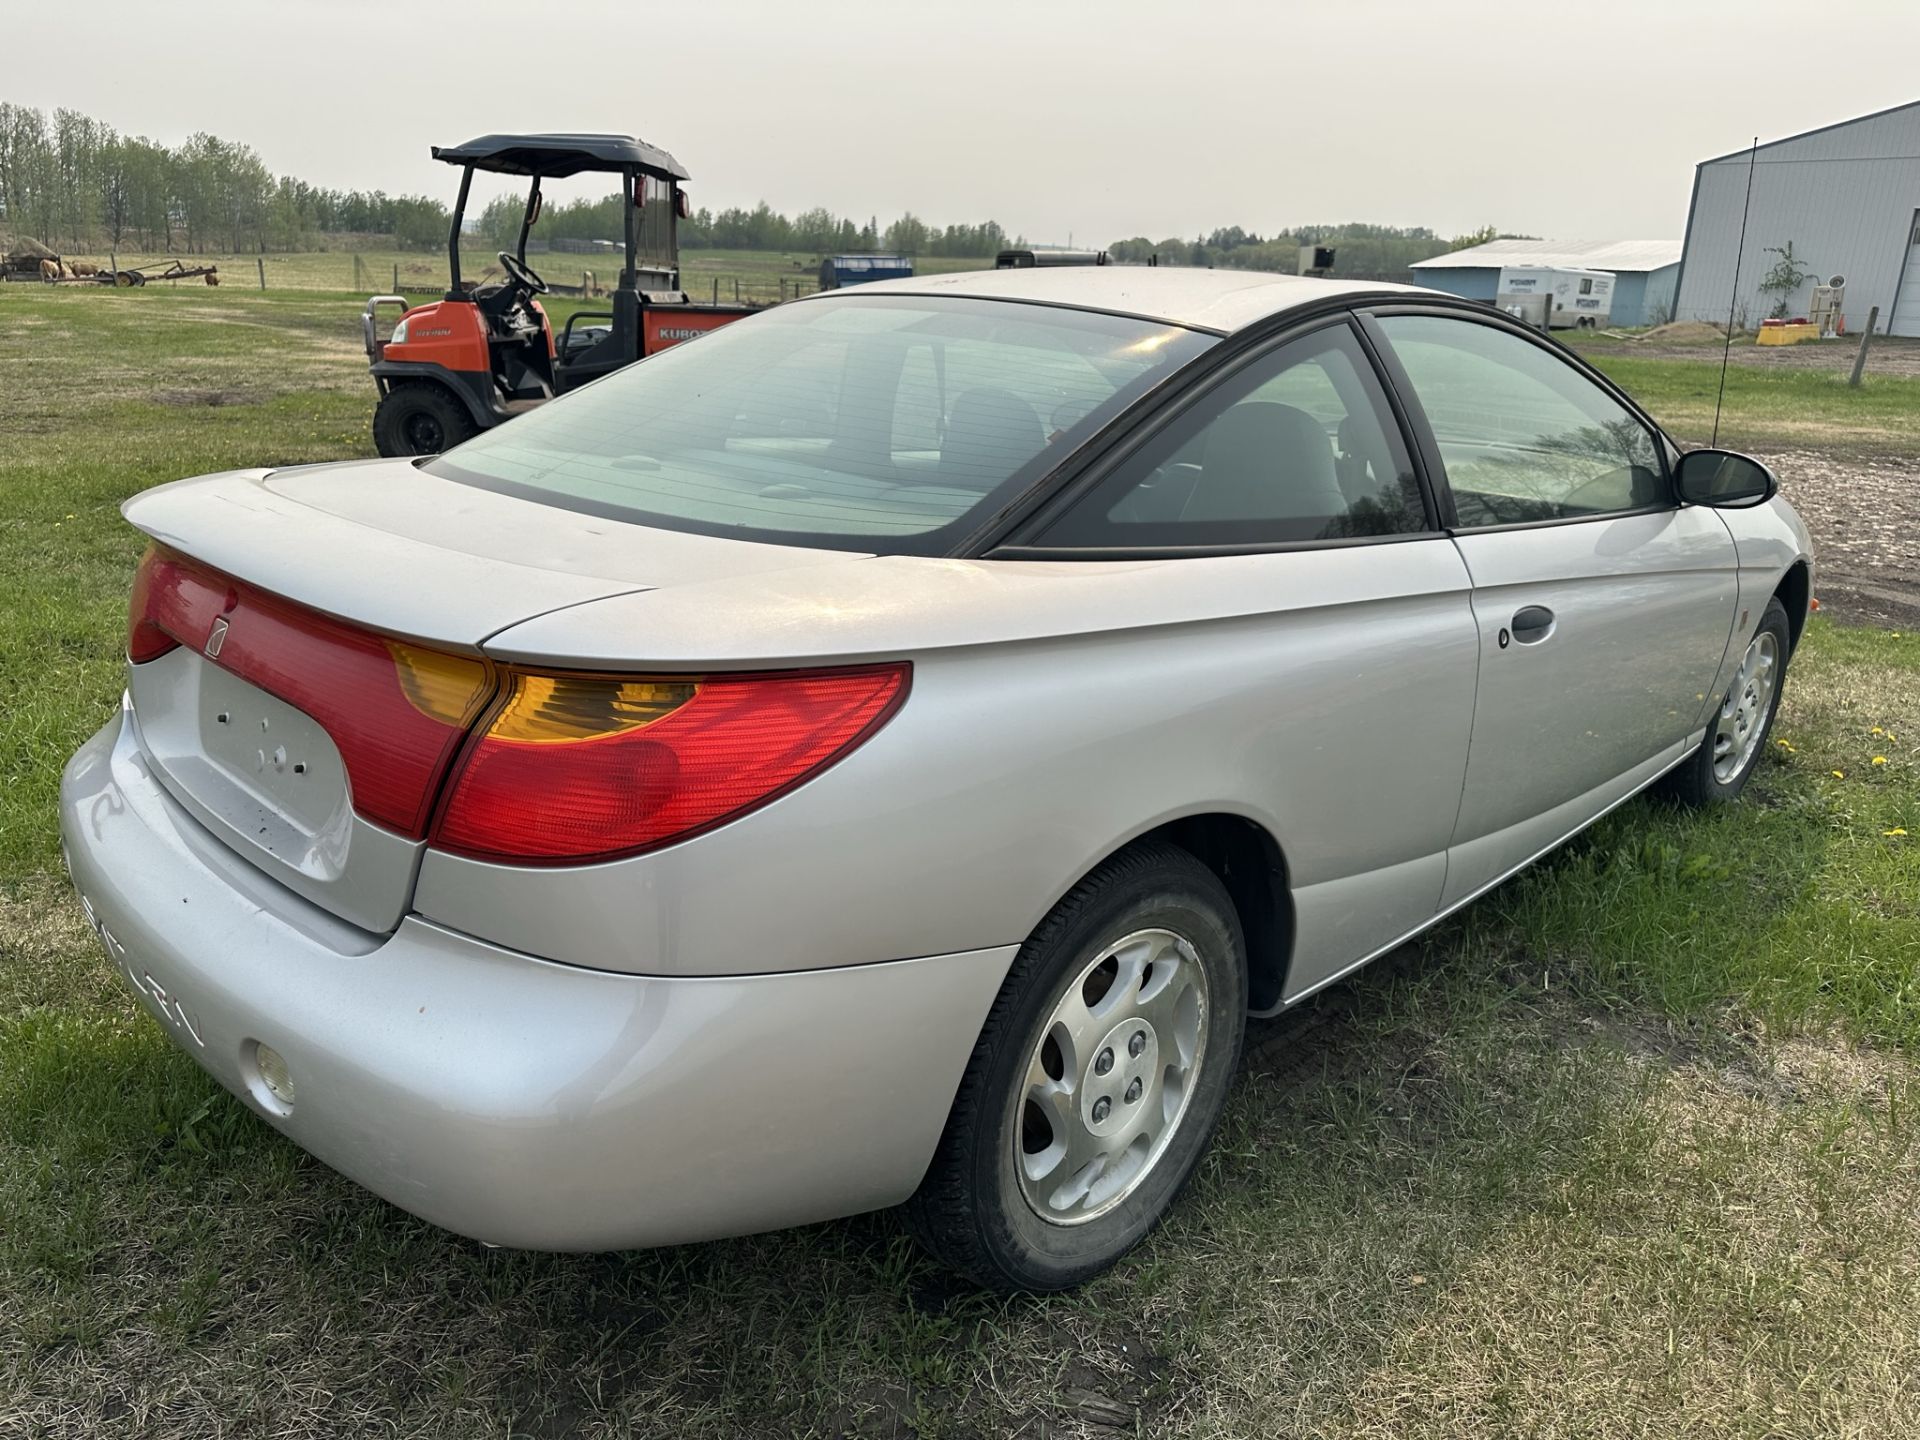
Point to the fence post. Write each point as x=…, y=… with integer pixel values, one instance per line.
x=396, y=277
x=261, y=262
x=1866, y=339
x=736, y=289
x=716, y=289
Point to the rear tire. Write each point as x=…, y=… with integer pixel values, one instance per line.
x=1123, y=1013
x=1718, y=771
x=420, y=418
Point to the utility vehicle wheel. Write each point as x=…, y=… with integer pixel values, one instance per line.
x=1737, y=734
x=1096, y=1082
x=420, y=419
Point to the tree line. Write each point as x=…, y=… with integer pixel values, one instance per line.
x=1362, y=252
x=68, y=180
x=818, y=231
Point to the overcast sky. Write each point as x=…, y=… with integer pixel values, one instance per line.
x=1100, y=120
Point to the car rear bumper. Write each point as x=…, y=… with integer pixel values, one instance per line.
x=515, y=1100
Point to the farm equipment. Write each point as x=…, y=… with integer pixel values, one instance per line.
x=485, y=352
x=131, y=275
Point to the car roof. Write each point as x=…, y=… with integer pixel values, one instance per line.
x=1218, y=300
x=556, y=155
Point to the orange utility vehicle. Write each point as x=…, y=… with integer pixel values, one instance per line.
x=484, y=353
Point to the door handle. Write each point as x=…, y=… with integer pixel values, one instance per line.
x=1532, y=624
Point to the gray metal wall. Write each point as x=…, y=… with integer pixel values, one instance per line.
x=1656, y=301
x=1844, y=196
x=1469, y=284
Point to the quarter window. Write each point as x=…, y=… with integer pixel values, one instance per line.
x=1524, y=436
x=1298, y=446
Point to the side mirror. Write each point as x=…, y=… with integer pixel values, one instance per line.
x=1724, y=479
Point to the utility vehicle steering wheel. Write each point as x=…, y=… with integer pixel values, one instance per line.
x=521, y=274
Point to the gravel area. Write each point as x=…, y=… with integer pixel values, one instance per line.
x=1886, y=356
x=1865, y=519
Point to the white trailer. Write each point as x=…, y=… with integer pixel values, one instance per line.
x=1581, y=299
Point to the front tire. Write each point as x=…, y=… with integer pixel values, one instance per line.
x=1718, y=771
x=420, y=418
x=1097, y=1079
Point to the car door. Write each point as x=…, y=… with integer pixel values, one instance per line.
x=1331, y=676
x=1603, y=608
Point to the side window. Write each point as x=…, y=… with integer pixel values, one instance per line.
x=1524, y=436
x=1297, y=446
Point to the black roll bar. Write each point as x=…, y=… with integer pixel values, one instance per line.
x=454, y=292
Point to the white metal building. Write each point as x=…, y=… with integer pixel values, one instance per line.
x=1644, y=271
x=1846, y=195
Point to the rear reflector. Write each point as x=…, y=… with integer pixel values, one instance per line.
x=577, y=768
x=396, y=713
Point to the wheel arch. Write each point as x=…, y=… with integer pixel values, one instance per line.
x=1246, y=858
x=1795, y=593
x=471, y=390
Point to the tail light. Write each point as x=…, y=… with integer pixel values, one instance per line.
x=397, y=713
x=578, y=768
x=566, y=769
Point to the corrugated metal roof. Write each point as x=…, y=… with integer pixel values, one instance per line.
x=1569, y=254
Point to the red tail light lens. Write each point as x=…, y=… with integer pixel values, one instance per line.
x=396, y=713
x=172, y=599
x=577, y=768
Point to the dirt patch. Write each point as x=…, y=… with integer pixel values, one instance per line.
x=1865, y=518
x=1695, y=340
x=210, y=398
x=1681, y=332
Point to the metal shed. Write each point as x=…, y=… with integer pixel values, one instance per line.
x=1644, y=271
x=1847, y=195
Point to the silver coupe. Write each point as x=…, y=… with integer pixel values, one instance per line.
x=882, y=751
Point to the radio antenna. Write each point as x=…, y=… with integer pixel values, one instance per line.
x=1726, y=351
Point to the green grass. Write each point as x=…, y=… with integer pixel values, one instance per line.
x=1625, y=1149
x=1773, y=406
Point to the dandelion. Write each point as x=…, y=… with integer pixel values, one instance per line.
x=1876, y=730
x=1879, y=759
x=1895, y=831
x=1839, y=774
x=1785, y=745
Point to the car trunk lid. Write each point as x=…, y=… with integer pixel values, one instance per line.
x=310, y=655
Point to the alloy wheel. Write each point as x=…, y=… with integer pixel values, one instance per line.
x=1110, y=1077
x=1743, y=714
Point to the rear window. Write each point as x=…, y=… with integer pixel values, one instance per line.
x=883, y=423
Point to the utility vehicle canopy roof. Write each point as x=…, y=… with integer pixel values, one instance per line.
x=553, y=156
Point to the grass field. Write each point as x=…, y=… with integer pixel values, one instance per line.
x=1627, y=1149
x=1773, y=408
